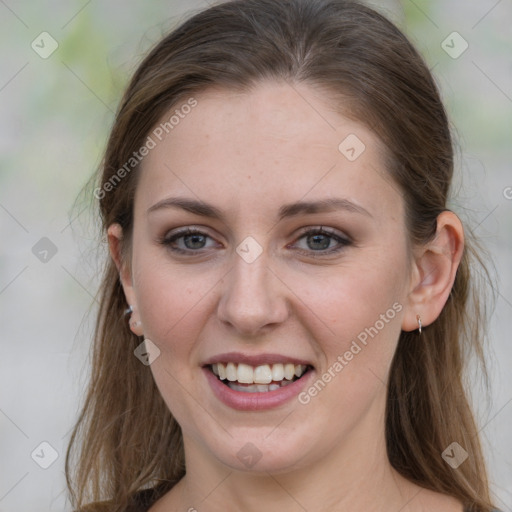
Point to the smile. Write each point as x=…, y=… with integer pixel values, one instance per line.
x=259, y=379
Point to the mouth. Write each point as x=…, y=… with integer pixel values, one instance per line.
x=258, y=379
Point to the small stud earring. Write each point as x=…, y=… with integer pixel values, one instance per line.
x=419, y=323
x=133, y=323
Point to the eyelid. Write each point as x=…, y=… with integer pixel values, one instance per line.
x=324, y=230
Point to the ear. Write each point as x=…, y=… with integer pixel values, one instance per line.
x=434, y=268
x=115, y=241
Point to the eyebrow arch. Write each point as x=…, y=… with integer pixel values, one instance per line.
x=289, y=210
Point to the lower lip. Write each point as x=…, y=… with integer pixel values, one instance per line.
x=255, y=401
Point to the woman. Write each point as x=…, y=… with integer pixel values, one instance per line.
x=284, y=316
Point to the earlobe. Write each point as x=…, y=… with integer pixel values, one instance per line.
x=435, y=268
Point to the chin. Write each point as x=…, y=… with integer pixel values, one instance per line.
x=256, y=452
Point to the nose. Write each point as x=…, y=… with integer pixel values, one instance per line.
x=253, y=298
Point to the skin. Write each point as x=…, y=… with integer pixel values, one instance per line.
x=248, y=154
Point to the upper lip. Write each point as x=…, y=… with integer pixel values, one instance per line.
x=254, y=360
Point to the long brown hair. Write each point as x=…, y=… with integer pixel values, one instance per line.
x=126, y=439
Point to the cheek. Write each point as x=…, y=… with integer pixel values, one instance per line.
x=361, y=304
x=170, y=299
x=172, y=304
x=169, y=307
x=364, y=310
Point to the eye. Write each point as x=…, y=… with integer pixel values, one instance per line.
x=193, y=239
x=318, y=240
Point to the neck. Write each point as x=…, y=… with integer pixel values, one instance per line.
x=355, y=476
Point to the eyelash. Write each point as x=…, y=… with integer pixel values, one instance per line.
x=343, y=242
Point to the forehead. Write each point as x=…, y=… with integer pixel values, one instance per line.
x=274, y=144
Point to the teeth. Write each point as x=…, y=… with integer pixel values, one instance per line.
x=262, y=376
x=277, y=371
x=231, y=373
x=257, y=388
x=289, y=371
x=245, y=374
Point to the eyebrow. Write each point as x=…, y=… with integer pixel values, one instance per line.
x=288, y=210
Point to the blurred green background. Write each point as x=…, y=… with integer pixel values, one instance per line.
x=56, y=111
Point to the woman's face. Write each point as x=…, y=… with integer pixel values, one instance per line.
x=259, y=288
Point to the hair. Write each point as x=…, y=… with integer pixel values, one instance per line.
x=126, y=439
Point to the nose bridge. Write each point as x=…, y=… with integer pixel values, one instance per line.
x=252, y=297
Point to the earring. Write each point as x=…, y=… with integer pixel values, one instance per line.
x=419, y=323
x=133, y=324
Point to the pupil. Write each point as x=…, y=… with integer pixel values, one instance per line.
x=194, y=238
x=324, y=243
